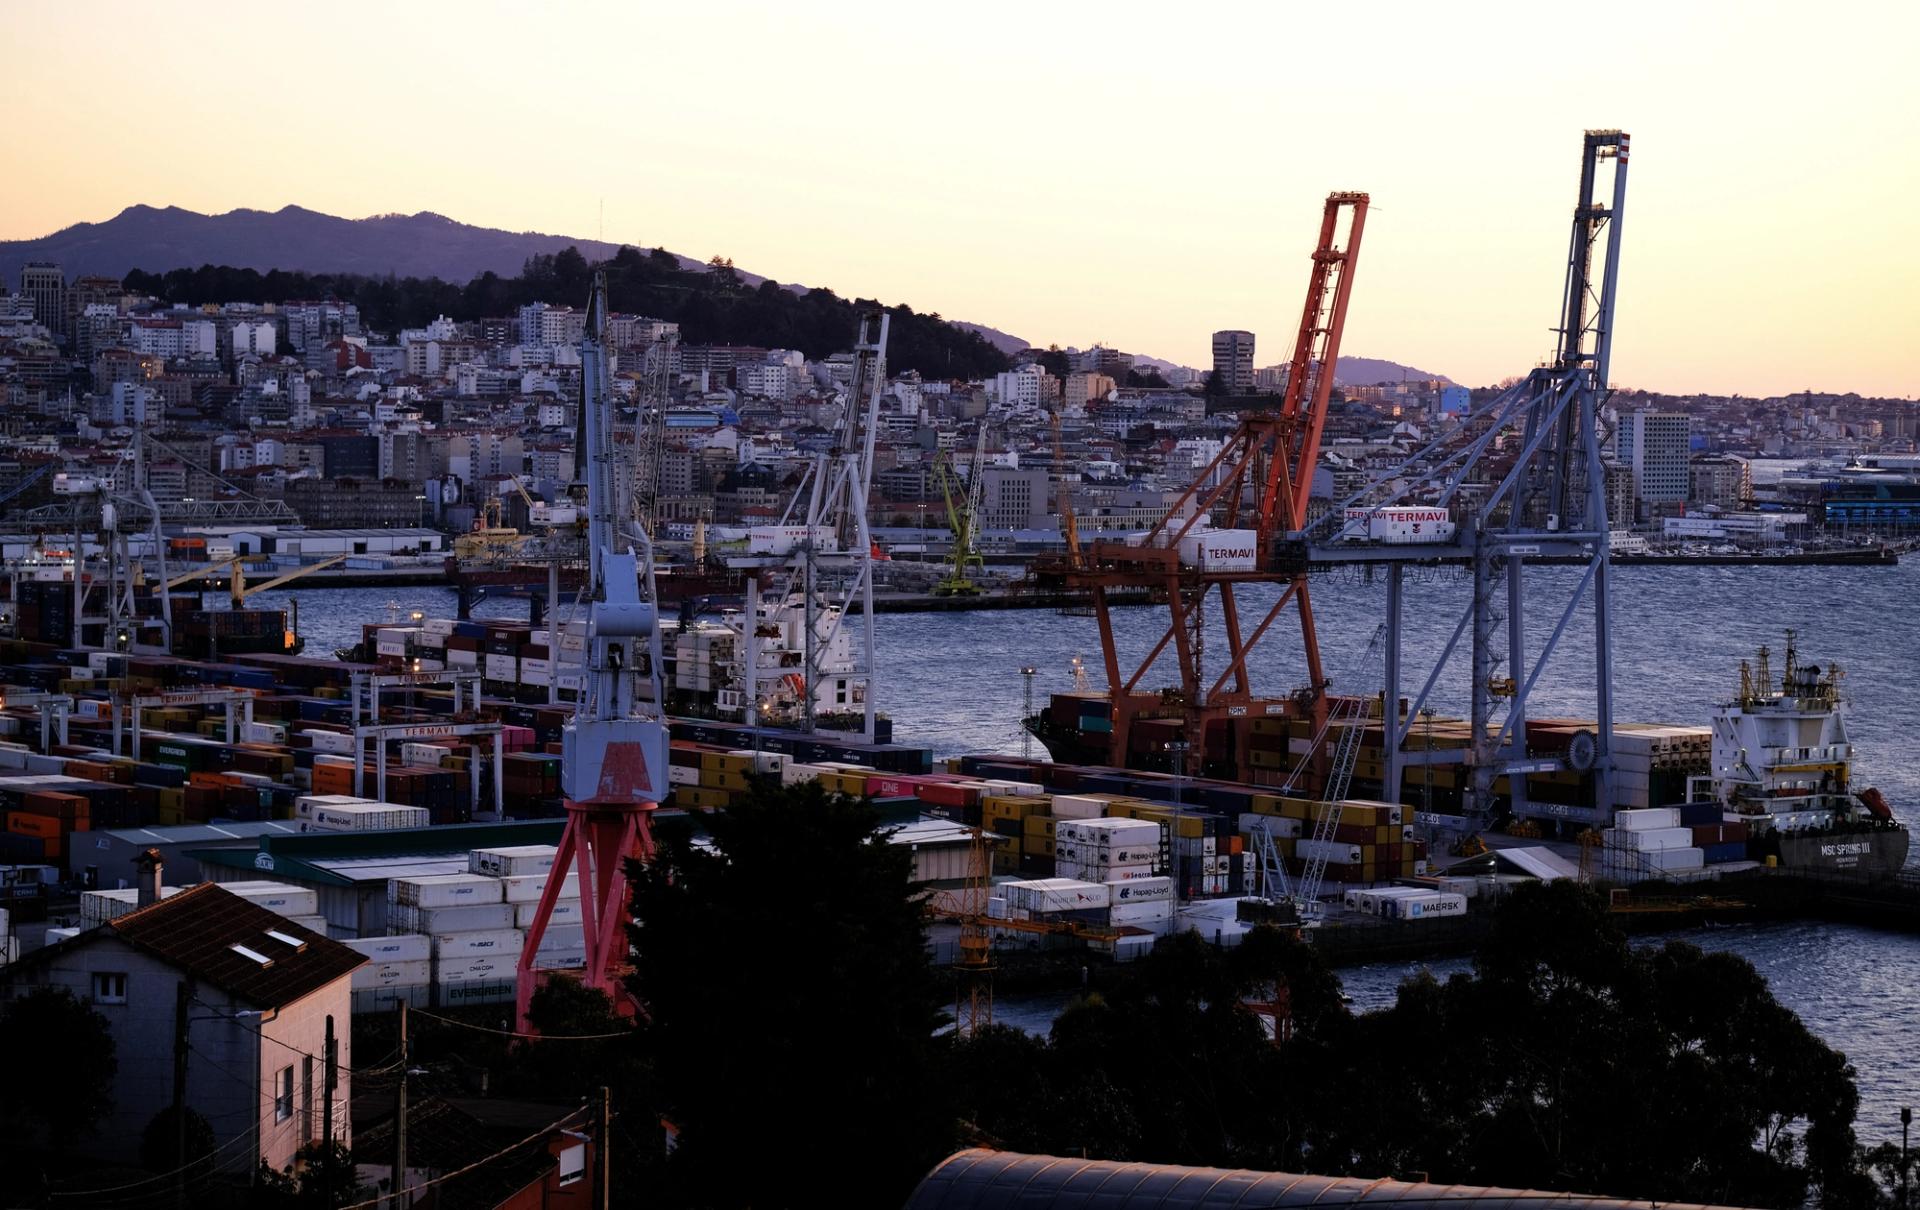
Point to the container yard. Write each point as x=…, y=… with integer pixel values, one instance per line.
x=245, y=772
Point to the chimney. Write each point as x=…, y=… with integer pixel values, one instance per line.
x=150, y=864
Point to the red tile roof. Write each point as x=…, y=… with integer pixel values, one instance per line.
x=197, y=929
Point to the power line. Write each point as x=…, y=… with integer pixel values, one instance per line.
x=93, y=1195
x=511, y=1147
x=509, y=1033
x=265, y=1037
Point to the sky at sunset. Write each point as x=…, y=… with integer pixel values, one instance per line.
x=1133, y=175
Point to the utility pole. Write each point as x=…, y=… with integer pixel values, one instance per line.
x=182, y=997
x=332, y=1082
x=400, y=1119
x=603, y=1199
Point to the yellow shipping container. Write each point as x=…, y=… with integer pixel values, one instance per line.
x=1014, y=806
x=1037, y=846
x=697, y=798
x=1038, y=825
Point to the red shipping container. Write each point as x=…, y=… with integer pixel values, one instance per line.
x=895, y=785
x=71, y=809
x=948, y=794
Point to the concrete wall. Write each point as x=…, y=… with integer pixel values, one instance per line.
x=287, y=1038
x=232, y=1060
x=220, y=1054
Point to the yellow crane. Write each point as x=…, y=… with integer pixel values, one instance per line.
x=240, y=591
x=207, y=570
x=1069, y=524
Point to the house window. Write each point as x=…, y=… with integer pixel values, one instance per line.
x=283, y=1095
x=110, y=987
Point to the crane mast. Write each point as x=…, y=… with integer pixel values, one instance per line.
x=964, y=521
x=824, y=530
x=1521, y=480
x=614, y=749
x=1258, y=486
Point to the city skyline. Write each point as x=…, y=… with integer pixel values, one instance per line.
x=1073, y=181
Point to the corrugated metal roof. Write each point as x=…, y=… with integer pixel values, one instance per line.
x=331, y=858
x=379, y=869
x=1542, y=863
x=188, y=833
x=930, y=831
x=985, y=1180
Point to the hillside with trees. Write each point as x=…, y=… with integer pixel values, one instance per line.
x=713, y=304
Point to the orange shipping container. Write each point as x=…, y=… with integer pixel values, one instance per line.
x=71, y=809
x=333, y=779
x=43, y=827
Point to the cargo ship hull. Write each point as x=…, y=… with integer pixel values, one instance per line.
x=1855, y=854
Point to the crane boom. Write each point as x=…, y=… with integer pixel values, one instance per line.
x=240, y=591
x=1256, y=490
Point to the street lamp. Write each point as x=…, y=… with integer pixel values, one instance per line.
x=1178, y=749
x=1906, y=1120
x=1026, y=732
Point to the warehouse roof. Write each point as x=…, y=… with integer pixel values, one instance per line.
x=984, y=1180
x=348, y=858
x=197, y=833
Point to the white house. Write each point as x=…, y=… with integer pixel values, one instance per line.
x=258, y=998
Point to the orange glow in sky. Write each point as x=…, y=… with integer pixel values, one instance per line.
x=1133, y=175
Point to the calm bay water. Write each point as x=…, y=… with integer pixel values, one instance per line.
x=952, y=681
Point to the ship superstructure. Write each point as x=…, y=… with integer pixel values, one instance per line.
x=709, y=663
x=1783, y=765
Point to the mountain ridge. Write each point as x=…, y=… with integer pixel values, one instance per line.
x=424, y=244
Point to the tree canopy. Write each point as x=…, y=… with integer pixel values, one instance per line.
x=69, y=1069
x=788, y=1004
x=712, y=304
x=1567, y=1060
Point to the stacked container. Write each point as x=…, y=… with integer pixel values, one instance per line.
x=1651, y=841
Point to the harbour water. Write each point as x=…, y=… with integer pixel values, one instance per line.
x=953, y=681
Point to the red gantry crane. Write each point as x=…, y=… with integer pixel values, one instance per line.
x=614, y=750
x=1232, y=528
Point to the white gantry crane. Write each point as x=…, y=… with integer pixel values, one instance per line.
x=804, y=575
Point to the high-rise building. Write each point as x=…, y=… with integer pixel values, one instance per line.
x=1233, y=361
x=1656, y=446
x=1013, y=498
x=1084, y=387
x=44, y=283
x=1722, y=481
x=1102, y=360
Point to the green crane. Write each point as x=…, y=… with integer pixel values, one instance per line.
x=963, y=519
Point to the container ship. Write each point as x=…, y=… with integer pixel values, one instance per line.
x=1783, y=766
x=705, y=672
x=1769, y=780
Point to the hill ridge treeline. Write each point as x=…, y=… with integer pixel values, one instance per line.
x=712, y=305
